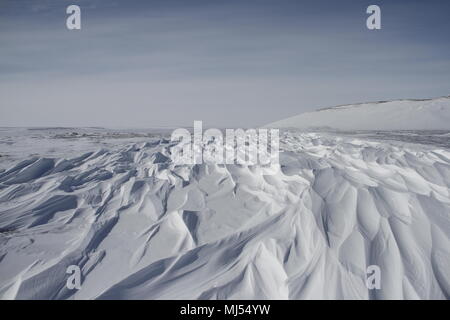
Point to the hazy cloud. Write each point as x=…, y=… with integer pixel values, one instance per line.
x=228, y=63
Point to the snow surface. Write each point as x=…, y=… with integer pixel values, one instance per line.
x=140, y=227
x=432, y=114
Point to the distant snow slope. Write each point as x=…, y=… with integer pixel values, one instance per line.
x=140, y=227
x=433, y=114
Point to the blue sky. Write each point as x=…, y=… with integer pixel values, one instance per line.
x=228, y=63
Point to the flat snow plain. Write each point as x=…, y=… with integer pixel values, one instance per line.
x=140, y=227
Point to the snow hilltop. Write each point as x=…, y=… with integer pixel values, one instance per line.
x=140, y=227
x=432, y=114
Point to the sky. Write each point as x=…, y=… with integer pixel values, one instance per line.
x=233, y=63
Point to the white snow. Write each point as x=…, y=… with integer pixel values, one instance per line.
x=140, y=227
x=432, y=114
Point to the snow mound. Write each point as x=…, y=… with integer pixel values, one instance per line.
x=140, y=227
x=433, y=114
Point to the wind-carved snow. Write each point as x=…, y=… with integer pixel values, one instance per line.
x=431, y=114
x=140, y=227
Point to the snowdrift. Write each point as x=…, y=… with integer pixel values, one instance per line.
x=433, y=114
x=140, y=227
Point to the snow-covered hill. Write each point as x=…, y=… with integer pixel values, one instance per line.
x=432, y=114
x=140, y=227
